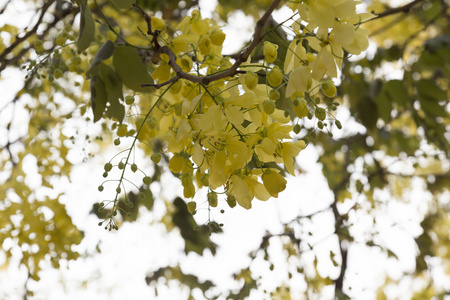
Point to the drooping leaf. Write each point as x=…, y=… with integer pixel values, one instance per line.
x=130, y=68
x=177, y=273
x=196, y=238
x=87, y=28
x=113, y=88
x=99, y=97
x=105, y=52
x=429, y=96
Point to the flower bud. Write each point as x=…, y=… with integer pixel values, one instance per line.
x=301, y=108
x=268, y=107
x=204, y=44
x=270, y=51
x=157, y=24
x=251, y=80
x=217, y=37
x=274, y=76
x=328, y=89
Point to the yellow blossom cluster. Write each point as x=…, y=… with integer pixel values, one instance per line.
x=229, y=135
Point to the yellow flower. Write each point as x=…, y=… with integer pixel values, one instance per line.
x=157, y=24
x=218, y=170
x=204, y=44
x=239, y=188
x=217, y=37
x=298, y=81
x=176, y=163
x=274, y=182
x=289, y=150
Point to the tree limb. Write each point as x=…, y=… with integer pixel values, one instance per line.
x=243, y=56
x=19, y=40
x=405, y=8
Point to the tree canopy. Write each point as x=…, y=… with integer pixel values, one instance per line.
x=366, y=85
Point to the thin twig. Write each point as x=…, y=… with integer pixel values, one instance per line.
x=19, y=40
x=243, y=56
x=405, y=8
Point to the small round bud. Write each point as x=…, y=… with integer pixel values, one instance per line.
x=122, y=130
x=338, y=124
x=105, y=174
x=205, y=179
x=328, y=89
x=270, y=51
x=274, y=95
x=129, y=100
x=269, y=106
x=212, y=199
x=275, y=77
x=251, y=80
x=121, y=165
x=118, y=190
x=297, y=128
x=117, y=142
x=152, y=122
x=320, y=113
x=107, y=167
x=134, y=168
x=301, y=109
x=57, y=73
x=191, y=206
x=320, y=124
x=101, y=188
x=147, y=180
x=156, y=157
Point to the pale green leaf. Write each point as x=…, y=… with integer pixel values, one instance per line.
x=130, y=68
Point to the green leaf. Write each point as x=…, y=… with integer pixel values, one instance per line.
x=113, y=88
x=105, y=52
x=87, y=28
x=99, y=97
x=123, y=4
x=112, y=82
x=396, y=91
x=130, y=68
x=429, y=96
x=196, y=238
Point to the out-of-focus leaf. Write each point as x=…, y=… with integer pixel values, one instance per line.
x=114, y=91
x=87, y=28
x=130, y=68
x=188, y=280
x=105, y=52
x=392, y=91
x=99, y=97
x=196, y=238
x=429, y=96
x=123, y=4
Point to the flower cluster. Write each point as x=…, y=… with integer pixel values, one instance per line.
x=229, y=135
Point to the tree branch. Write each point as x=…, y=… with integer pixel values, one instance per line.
x=405, y=8
x=243, y=56
x=19, y=40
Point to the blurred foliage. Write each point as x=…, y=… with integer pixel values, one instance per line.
x=397, y=95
